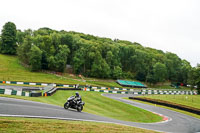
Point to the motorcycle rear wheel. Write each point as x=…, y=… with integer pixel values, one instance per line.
x=66, y=105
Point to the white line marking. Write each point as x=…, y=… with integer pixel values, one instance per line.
x=7, y=92
x=32, y=83
x=20, y=83
x=65, y=85
x=43, y=84
x=19, y=93
x=7, y=82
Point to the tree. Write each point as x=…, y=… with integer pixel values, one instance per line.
x=61, y=58
x=173, y=64
x=51, y=63
x=198, y=79
x=44, y=61
x=8, y=36
x=35, y=58
x=100, y=69
x=0, y=43
x=194, y=78
x=20, y=37
x=150, y=78
x=159, y=72
x=117, y=72
x=24, y=49
x=79, y=60
x=184, y=71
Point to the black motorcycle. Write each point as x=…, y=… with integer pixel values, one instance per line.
x=75, y=104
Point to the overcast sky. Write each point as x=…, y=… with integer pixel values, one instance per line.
x=169, y=25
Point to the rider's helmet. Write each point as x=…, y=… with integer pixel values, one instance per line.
x=77, y=94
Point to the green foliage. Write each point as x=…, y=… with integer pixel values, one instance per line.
x=100, y=69
x=61, y=58
x=184, y=71
x=0, y=43
x=35, y=56
x=20, y=37
x=8, y=37
x=194, y=78
x=159, y=72
x=24, y=49
x=117, y=72
x=101, y=57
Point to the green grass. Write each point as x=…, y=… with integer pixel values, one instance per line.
x=100, y=105
x=189, y=100
x=12, y=70
x=177, y=110
x=13, y=124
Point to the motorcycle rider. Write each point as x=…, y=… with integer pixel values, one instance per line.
x=77, y=97
x=75, y=102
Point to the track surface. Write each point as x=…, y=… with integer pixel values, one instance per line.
x=177, y=122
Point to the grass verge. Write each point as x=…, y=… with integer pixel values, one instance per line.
x=12, y=70
x=100, y=105
x=14, y=124
x=188, y=100
x=177, y=110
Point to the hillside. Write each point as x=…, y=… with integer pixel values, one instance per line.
x=12, y=70
x=93, y=57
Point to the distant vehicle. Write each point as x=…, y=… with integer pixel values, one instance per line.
x=74, y=103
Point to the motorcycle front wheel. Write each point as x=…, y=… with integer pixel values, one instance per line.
x=79, y=108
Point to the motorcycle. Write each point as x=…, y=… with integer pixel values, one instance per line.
x=75, y=104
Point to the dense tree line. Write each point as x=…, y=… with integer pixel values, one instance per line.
x=93, y=56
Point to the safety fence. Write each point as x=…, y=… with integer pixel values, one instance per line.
x=177, y=92
x=36, y=83
x=14, y=92
x=143, y=92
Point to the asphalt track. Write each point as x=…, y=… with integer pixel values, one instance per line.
x=176, y=122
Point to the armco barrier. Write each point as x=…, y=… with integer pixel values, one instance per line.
x=107, y=91
x=14, y=92
x=53, y=90
x=146, y=91
x=142, y=92
x=36, y=83
x=169, y=104
x=175, y=92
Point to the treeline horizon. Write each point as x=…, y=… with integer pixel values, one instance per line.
x=93, y=56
